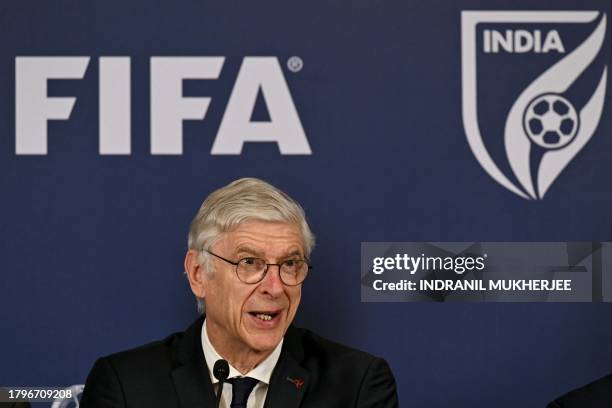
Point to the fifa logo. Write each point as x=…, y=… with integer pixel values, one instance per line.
x=533, y=89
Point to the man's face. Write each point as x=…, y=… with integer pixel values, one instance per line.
x=232, y=307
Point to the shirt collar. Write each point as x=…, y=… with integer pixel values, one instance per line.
x=262, y=372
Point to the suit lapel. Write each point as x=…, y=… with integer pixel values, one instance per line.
x=289, y=380
x=194, y=389
x=191, y=379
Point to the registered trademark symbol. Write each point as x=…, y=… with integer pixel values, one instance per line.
x=295, y=64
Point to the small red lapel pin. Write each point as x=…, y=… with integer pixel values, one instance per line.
x=298, y=382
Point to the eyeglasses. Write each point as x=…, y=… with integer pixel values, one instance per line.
x=252, y=270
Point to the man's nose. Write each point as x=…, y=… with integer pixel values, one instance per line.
x=272, y=283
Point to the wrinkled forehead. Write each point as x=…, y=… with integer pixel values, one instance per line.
x=265, y=239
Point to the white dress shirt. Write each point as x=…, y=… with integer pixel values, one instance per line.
x=262, y=373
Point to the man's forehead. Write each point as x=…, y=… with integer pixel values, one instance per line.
x=258, y=237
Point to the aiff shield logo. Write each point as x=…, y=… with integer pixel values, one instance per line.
x=533, y=84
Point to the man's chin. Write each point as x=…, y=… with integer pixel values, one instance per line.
x=264, y=342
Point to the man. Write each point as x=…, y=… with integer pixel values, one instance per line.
x=249, y=246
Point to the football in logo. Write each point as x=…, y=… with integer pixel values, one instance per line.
x=551, y=121
x=533, y=91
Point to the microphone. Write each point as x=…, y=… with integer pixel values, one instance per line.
x=220, y=371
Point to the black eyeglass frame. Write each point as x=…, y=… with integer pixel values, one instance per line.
x=263, y=275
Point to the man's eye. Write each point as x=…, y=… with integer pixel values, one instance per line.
x=249, y=261
x=290, y=262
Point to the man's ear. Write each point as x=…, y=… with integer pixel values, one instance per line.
x=195, y=274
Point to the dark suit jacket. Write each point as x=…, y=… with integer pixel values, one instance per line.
x=597, y=394
x=173, y=373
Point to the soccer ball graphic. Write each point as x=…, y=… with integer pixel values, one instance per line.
x=551, y=121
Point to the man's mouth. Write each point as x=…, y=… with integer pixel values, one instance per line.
x=265, y=316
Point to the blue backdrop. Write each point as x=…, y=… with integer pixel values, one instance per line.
x=92, y=245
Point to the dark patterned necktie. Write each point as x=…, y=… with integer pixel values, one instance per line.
x=241, y=388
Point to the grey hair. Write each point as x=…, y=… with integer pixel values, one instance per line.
x=243, y=200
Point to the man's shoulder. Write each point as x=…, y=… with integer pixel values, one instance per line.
x=156, y=354
x=167, y=352
x=316, y=347
x=140, y=375
x=341, y=374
